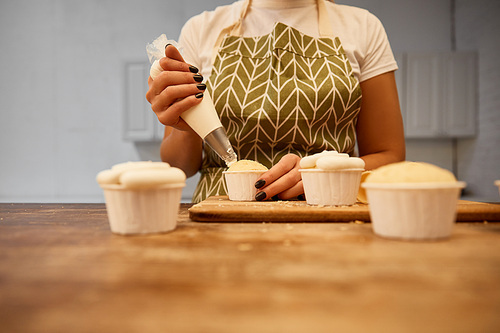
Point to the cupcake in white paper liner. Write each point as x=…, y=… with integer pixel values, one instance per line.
x=240, y=179
x=362, y=192
x=142, y=211
x=142, y=197
x=412, y=200
x=331, y=178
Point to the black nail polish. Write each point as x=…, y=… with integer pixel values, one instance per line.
x=301, y=197
x=275, y=198
x=260, y=196
x=260, y=183
x=167, y=45
x=199, y=95
x=198, y=78
x=193, y=69
x=201, y=86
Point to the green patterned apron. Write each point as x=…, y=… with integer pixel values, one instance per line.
x=280, y=93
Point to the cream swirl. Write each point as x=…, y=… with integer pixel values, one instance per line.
x=142, y=174
x=331, y=160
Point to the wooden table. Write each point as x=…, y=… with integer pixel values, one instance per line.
x=62, y=270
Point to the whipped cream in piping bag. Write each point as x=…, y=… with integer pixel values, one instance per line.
x=202, y=118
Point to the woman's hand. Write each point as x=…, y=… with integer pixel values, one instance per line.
x=175, y=90
x=283, y=181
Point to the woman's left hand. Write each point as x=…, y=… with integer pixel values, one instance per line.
x=283, y=181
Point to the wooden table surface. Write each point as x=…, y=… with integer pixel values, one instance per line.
x=62, y=270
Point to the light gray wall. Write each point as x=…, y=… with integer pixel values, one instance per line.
x=478, y=159
x=62, y=87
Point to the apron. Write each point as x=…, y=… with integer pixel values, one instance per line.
x=281, y=93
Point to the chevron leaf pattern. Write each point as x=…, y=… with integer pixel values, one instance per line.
x=282, y=93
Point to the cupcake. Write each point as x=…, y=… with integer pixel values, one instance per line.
x=240, y=179
x=142, y=197
x=331, y=178
x=362, y=192
x=412, y=200
x=497, y=183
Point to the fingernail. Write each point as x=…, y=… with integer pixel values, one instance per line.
x=198, y=78
x=193, y=69
x=275, y=198
x=167, y=45
x=301, y=197
x=260, y=183
x=199, y=95
x=260, y=196
x=201, y=86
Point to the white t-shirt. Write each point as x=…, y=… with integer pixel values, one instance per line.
x=362, y=35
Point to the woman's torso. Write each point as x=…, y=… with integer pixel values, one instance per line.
x=280, y=92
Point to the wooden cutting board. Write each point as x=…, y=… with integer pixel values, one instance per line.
x=221, y=209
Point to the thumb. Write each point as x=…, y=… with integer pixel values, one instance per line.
x=173, y=53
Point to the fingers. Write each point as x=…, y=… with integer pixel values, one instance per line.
x=172, y=93
x=274, y=192
x=171, y=78
x=173, y=53
x=169, y=64
x=174, y=100
x=171, y=117
x=282, y=181
x=173, y=61
x=175, y=72
x=282, y=169
x=174, y=90
x=293, y=192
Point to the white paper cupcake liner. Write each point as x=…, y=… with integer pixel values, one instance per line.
x=142, y=211
x=416, y=211
x=331, y=188
x=240, y=185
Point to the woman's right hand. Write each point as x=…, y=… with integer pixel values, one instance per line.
x=175, y=90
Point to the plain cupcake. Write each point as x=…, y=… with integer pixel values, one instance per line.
x=412, y=200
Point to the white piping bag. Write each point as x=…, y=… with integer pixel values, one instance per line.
x=202, y=118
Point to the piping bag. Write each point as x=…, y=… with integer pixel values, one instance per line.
x=202, y=118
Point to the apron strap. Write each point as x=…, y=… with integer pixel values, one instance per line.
x=324, y=25
x=236, y=27
x=229, y=29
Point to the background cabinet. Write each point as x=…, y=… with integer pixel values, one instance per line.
x=139, y=121
x=438, y=94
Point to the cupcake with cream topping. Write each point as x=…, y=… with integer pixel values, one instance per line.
x=331, y=178
x=240, y=179
x=142, y=197
x=412, y=200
